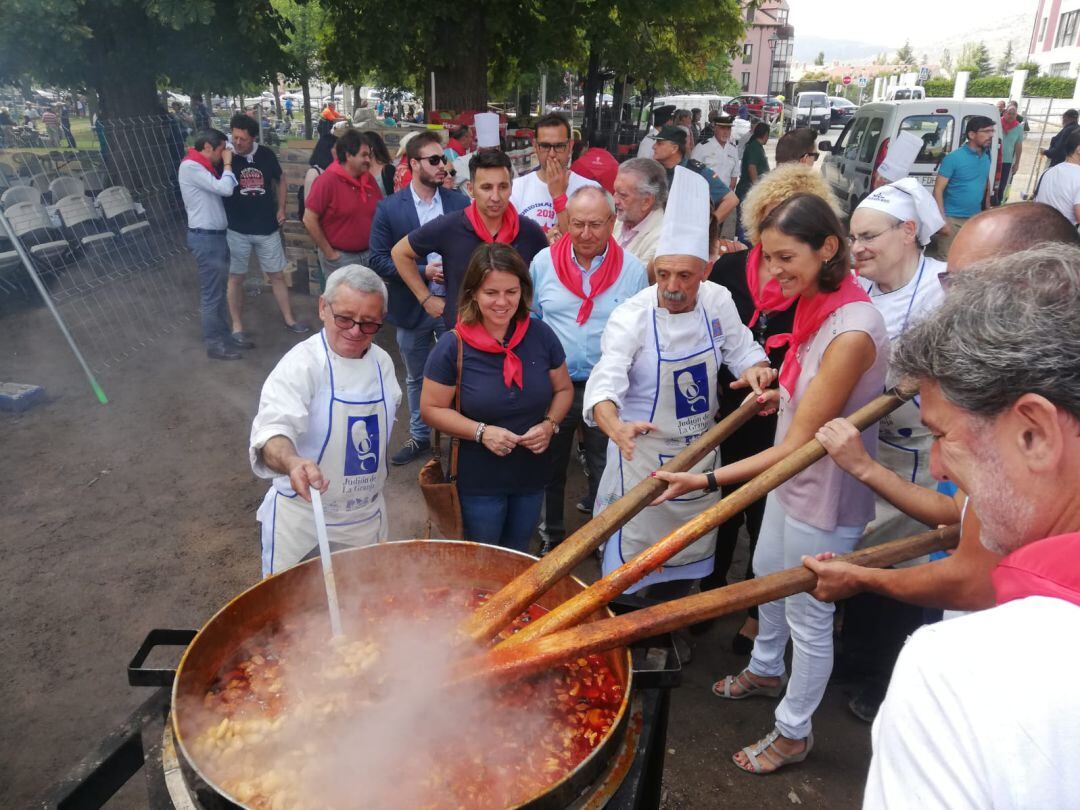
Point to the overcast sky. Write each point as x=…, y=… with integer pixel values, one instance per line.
x=891, y=22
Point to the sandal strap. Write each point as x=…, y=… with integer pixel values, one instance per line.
x=765, y=749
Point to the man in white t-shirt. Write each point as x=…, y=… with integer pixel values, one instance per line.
x=720, y=153
x=982, y=710
x=1060, y=185
x=541, y=195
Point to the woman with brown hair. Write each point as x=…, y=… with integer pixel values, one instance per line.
x=515, y=390
x=769, y=314
x=838, y=353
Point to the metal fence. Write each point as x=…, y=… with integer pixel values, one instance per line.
x=98, y=236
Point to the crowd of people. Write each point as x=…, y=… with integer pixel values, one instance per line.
x=614, y=308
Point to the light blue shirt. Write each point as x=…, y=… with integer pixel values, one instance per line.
x=558, y=307
x=427, y=211
x=968, y=173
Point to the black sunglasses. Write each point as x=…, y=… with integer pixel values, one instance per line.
x=345, y=323
x=434, y=160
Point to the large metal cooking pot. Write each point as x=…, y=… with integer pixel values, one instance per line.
x=414, y=563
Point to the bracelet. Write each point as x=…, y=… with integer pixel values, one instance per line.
x=710, y=481
x=430, y=296
x=479, y=432
x=559, y=203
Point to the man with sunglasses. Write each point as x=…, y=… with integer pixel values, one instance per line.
x=962, y=187
x=424, y=199
x=541, y=195
x=324, y=420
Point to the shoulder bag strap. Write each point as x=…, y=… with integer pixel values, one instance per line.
x=452, y=476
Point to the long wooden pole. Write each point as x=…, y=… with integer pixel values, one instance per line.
x=501, y=609
x=506, y=663
x=575, y=610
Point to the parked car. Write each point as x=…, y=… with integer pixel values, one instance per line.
x=842, y=110
x=811, y=109
x=851, y=163
x=757, y=105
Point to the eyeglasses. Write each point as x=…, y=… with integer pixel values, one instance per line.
x=345, y=323
x=866, y=239
x=561, y=146
x=434, y=160
x=595, y=225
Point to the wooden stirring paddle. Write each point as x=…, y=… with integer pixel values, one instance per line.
x=506, y=663
x=508, y=603
x=602, y=591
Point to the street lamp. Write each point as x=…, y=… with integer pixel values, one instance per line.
x=773, y=40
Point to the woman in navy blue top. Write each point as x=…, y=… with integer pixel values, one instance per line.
x=515, y=390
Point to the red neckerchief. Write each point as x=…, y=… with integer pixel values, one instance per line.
x=1049, y=567
x=570, y=274
x=201, y=159
x=455, y=144
x=1008, y=127
x=365, y=183
x=769, y=298
x=810, y=314
x=508, y=229
x=480, y=339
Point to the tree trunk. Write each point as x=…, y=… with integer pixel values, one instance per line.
x=461, y=84
x=277, y=100
x=305, y=88
x=618, y=96
x=593, y=85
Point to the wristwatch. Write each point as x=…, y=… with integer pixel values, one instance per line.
x=710, y=481
x=554, y=424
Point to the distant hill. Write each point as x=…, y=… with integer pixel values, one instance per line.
x=807, y=48
x=995, y=34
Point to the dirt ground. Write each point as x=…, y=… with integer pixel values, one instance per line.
x=141, y=514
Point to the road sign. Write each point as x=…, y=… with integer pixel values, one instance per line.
x=862, y=81
x=846, y=80
x=924, y=74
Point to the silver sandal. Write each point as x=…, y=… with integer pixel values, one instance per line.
x=764, y=748
x=748, y=686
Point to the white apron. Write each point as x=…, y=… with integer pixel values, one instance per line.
x=683, y=406
x=903, y=447
x=347, y=436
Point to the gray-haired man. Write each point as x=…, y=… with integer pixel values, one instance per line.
x=641, y=190
x=996, y=369
x=324, y=420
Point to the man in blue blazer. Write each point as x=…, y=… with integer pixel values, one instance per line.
x=421, y=201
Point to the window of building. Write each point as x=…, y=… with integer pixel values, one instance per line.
x=746, y=82
x=781, y=16
x=751, y=9
x=1042, y=29
x=748, y=53
x=1066, y=30
x=1058, y=69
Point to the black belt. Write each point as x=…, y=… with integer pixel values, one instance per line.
x=207, y=231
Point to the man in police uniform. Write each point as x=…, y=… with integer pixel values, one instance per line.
x=670, y=151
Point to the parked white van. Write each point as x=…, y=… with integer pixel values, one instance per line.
x=851, y=163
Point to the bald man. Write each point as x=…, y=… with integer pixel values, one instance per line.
x=577, y=282
x=961, y=581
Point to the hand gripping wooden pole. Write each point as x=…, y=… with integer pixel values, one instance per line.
x=506, y=663
x=602, y=591
x=506, y=604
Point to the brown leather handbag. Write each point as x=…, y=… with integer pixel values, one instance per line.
x=439, y=486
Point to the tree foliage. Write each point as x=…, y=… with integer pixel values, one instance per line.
x=975, y=58
x=946, y=61
x=905, y=56
x=1031, y=67
x=820, y=58
x=1005, y=63
x=123, y=48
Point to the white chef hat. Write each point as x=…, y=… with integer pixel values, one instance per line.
x=685, y=230
x=907, y=200
x=900, y=156
x=487, y=130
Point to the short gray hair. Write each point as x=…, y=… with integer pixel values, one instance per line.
x=360, y=278
x=652, y=178
x=1008, y=327
x=589, y=191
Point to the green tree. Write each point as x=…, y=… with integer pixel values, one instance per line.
x=905, y=56
x=1004, y=65
x=946, y=61
x=122, y=48
x=820, y=58
x=1031, y=67
x=975, y=58
x=307, y=22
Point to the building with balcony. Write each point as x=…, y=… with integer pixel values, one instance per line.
x=1055, y=38
x=766, y=48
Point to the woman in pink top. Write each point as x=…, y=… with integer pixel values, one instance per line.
x=836, y=362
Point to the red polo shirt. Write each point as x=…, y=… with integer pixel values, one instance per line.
x=345, y=212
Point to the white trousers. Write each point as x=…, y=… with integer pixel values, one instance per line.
x=782, y=542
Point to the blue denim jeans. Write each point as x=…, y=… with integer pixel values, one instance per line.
x=415, y=345
x=502, y=520
x=211, y=252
